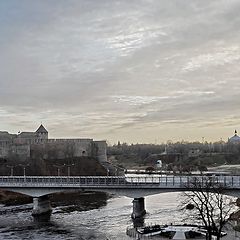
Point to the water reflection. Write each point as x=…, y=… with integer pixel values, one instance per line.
x=42, y=219
x=138, y=222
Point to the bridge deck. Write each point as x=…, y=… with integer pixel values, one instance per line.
x=161, y=182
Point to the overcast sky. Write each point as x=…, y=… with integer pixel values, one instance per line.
x=134, y=71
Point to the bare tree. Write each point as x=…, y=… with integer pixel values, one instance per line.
x=211, y=206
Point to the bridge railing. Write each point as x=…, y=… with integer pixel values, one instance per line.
x=188, y=181
x=98, y=181
x=63, y=180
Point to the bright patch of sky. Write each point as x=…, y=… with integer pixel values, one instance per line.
x=134, y=71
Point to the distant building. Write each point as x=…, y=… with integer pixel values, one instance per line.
x=235, y=139
x=159, y=164
x=27, y=144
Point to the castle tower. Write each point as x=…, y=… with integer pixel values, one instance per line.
x=42, y=133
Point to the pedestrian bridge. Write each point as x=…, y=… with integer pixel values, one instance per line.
x=135, y=187
x=37, y=186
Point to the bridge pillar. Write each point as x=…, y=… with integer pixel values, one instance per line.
x=138, y=208
x=41, y=206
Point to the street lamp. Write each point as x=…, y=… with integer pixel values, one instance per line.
x=58, y=168
x=11, y=167
x=24, y=168
x=68, y=168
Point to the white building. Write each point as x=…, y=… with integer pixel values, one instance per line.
x=234, y=139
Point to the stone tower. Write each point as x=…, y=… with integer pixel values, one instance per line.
x=42, y=133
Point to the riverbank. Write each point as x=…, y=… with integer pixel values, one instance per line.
x=83, y=201
x=10, y=198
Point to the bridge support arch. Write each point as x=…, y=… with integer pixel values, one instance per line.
x=138, y=208
x=41, y=206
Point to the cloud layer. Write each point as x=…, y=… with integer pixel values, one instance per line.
x=136, y=71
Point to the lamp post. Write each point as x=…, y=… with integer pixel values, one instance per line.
x=69, y=168
x=24, y=168
x=11, y=167
x=58, y=168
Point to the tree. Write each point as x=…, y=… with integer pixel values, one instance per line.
x=211, y=206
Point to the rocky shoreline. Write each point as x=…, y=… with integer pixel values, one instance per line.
x=10, y=198
x=82, y=201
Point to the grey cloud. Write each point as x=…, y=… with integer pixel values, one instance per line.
x=94, y=67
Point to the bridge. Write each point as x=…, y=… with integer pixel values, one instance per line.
x=136, y=187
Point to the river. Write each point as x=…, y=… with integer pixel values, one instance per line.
x=108, y=221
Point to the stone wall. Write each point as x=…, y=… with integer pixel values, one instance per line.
x=9, y=150
x=62, y=148
x=21, y=151
x=4, y=149
x=101, y=153
x=56, y=148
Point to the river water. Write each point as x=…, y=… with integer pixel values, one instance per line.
x=107, y=221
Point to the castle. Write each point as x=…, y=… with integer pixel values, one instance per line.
x=25, y=145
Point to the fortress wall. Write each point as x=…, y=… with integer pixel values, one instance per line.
x=83, y=148
x=22, y=151
x=5, y=136
x=53, y=148
x=4, y=150
x=5, y=143
x=13, y=150
x=75, y=147
x=29, y=141
x=52, y=140
x=101, y=150
x=63, y=148
x=9, y=149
